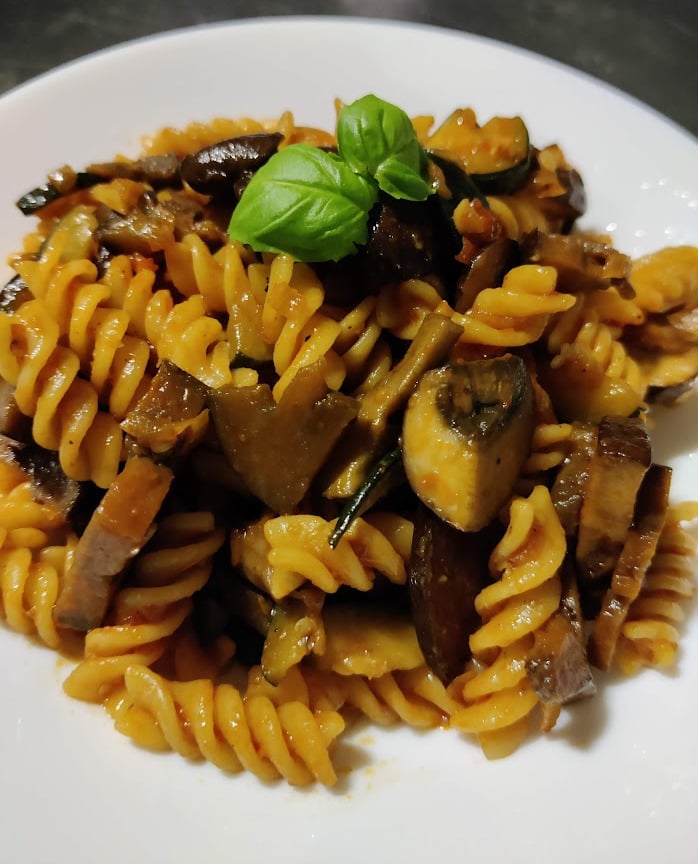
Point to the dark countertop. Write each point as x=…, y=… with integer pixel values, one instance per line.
x=648, y=48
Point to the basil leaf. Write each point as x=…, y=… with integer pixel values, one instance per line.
x=377, y=139
x=401, y=181
x=306, y=202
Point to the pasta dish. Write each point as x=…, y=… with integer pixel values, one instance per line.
x=304, y=426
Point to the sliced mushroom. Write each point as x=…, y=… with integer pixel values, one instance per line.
x=638, y=551
x=582, y=264
x=215, y=170
x=148, y=228
x=117, y=531
x=465, y=436
x=558, y=666
x=371, y=434
x=622, y=457
x=567, y=491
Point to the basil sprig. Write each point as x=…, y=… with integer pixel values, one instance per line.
x=314, y=204
x=377, y=139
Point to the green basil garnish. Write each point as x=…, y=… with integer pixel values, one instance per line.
x=306, y=202
x=313, y=204
x=377, y=139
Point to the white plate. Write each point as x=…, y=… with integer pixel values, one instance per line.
x=619, y=779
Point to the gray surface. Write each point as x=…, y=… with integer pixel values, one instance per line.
x=648, y=48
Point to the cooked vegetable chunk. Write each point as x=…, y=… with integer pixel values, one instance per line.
x=635, y=559
x=622, y=457
x=466, y=433
x=117, y=531
x=278, y=449
x=447, y=569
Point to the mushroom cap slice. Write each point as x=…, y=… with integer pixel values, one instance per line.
x=466, y=434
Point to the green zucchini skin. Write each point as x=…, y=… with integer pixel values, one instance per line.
x=38, y=198
x=474, y=184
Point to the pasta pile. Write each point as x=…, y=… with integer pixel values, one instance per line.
x=232, y=480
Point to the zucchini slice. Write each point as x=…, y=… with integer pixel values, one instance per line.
x=496, y=156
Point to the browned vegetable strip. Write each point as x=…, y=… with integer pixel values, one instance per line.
x=622, y=457
x=117, y=531
x=582, y=264
x=166, y=415
x=567, y=493
x=367, y=438
x=558, y=666
x=634, y=561
x=447, y=569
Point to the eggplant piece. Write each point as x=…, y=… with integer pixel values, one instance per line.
x=634, y=561
x=618, y=467
x=13, y=423
x=406, y=240
x=46, y=193
x=279, y=449
x=49, y=483
x=14, y=293
x=148, y=228
x=157, y=170
x=582, y=264
x=215, y=170
x=117, y=531
x=453, y=183
x=487, y=270
x=557, y=665
x=466, y=434
x=567, y=493
x=165, y=418
x=447, y=569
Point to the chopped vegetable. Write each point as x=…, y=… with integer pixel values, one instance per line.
x=623, y=455
x=465, y=435
x=278, y=449
x=447, y=569
x=117, y=531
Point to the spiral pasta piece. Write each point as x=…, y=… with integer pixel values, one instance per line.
x=291, y=320
x=415, y=697
x=650, y=635
x=498, y=696
x=366, y=357
x=291, y=550
x=514, y=314
x=235, y=732
x=519, y=215
x=666, y=279
x=549, y=447
x=151, y=608
x=64, y=406
x=591, y=373
x=402, y=306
